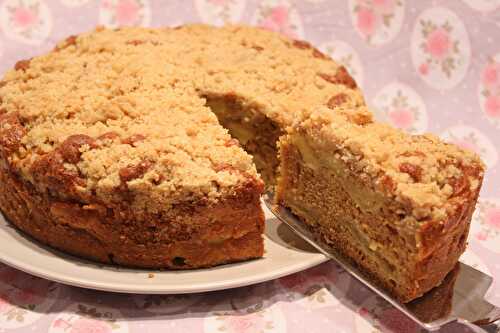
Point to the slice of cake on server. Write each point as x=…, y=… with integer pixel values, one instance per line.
x=398, y=205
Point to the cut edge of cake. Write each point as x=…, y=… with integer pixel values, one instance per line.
x=399, y=206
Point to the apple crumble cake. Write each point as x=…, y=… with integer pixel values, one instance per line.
x=151, y=147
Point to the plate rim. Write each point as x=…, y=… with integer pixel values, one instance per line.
x=248, y=280
x=72, y=278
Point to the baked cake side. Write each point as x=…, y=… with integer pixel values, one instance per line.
x=398, y=205
x=192, y=235
x=104, y=157
x=148, y=208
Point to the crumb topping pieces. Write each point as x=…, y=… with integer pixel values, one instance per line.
x=337, y=100
x=418, y=170
x=134, y=171
x=70, y=148
x=415, y=171
x=342, y=76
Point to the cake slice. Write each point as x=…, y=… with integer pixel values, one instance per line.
x=398, y=205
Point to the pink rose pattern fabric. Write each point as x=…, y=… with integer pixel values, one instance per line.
x=377, y=21
x=426, y=66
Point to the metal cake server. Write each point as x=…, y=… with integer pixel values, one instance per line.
x=459, y=298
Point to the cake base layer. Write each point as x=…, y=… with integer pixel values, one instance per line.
x=327, y=201
x=228, y=231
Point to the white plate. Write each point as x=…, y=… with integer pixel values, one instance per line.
x=285, y=253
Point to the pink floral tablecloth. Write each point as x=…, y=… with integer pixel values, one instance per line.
x=423, y=65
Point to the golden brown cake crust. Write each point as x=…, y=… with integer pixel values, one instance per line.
x=120, y=235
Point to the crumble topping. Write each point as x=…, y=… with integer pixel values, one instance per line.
x=124, y=108
x=419, y=170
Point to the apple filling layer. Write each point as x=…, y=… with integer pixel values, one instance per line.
x=256, y=133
